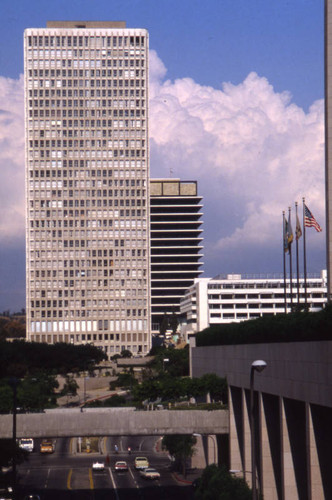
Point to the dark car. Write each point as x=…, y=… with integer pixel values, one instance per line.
x=196, y=483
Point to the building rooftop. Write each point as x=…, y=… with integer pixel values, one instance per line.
x=86, y=24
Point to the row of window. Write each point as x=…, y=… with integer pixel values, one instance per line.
x=107, y=284
x=128, y=297
x=91, y=40
x=41, y=93
x=96, y=103
x=132, y=267
x=244, y=316
x=88, y=72
x=132, y=213
x=40, y=114
x=86, y=113
x=90, y=86
x=245, y=296
x=120, y=82
x=83, y=254
x=267, y=284
x=84, y=313
x=86, y=143
x=55, y=304
x=84, y=193
x=57, y=221
x=64, y=165
x=267, y=305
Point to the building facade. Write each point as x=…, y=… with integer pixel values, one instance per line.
x=292, y=414
x=87, y=185
x=176, y=244
x=234, y=298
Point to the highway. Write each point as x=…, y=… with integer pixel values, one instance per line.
x=66, y=474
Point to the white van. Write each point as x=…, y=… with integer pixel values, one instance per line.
x=26, y=444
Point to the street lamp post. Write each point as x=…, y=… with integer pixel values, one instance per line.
x=258, y=366
x=13, y=382
x=165, y=360
x=196, y=434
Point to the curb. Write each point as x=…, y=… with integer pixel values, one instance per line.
x=180, y=479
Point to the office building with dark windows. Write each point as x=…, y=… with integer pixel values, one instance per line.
x=176, y=244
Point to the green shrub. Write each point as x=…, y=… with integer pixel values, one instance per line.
x=294, y=327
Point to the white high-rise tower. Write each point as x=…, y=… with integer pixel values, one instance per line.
x=87, y=185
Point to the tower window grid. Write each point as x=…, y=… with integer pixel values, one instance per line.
x=87, y=170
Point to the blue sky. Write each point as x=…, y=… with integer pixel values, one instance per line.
x=211, y=41
x=236, y=102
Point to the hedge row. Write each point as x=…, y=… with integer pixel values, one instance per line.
x=293, y=327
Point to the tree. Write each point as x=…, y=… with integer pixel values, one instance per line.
x=126, y=380
x=163, y=325
x=20, y=358
x=178, y=364
x=6, y=398
x=70, y=386
x=216, y=386
x=37, y=392
x=173, y=323
x=126, y=353
x=114, y=401
x=218, y=484
x=181, y=447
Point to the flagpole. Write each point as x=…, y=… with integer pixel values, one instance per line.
x=297, y=261
x=290, y=262
x=304, y=262
x=284, y=257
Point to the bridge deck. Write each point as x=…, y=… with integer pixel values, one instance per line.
x=114, y=422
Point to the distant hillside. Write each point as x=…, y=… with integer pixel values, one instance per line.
x=12, y=326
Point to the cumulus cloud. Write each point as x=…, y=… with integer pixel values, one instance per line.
x=252, y=151
x=11, y=161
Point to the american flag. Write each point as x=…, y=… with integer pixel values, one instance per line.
x=310, y=221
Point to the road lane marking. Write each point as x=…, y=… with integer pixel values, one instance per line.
x=69, y=479
x=91, y=479
x=134, y=479
x=48, y=475
x=113, y=483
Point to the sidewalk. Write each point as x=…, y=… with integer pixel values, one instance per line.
x=192, y=474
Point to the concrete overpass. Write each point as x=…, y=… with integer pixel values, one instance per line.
x=114, y=422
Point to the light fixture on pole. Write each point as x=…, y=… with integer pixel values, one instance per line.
x=257, y=366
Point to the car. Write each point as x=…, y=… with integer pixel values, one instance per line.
x=6, y=493
x=121, y=466
x=149, y=473
x=98, y=466
x=196, y=483
x=47, y=446
x=141, y=463
x=32, y=497
x=26, y=444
